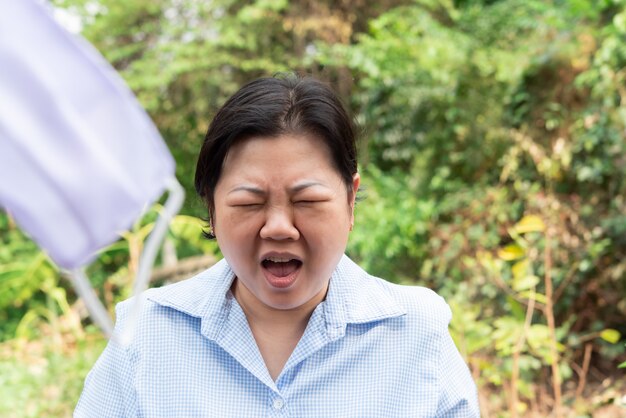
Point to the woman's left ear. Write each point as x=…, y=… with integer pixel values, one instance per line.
x=356, y=181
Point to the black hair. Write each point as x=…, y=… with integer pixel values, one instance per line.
x=271, y=107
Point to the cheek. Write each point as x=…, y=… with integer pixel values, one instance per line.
x=234, y=234
x=236, y=223
x=328, y=226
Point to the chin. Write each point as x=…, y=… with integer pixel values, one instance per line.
x=284, y=305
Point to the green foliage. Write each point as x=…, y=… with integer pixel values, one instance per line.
x=492, y=111
x=390, y=235
x=44, y=378
x=30, y=282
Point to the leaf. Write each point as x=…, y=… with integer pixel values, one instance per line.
x=525, y=283
x=517, y=310
x=520, y=269
x=511, y=252
x=610, y=335
x=622, y=366
x=538, y=297
x=530, y=223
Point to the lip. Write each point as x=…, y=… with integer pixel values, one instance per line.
x=279, y=254
x=280, y=282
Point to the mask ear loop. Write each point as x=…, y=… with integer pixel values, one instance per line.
x=176, y=195
x=96, y=309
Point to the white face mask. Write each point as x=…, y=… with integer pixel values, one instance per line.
x=79, y=158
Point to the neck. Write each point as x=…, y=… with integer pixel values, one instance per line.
x=262, y=316
x=276, y=331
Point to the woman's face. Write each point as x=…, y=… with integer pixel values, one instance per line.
x=282, y=218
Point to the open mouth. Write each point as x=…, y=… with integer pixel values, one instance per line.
x=281, y=267
x=281, y=272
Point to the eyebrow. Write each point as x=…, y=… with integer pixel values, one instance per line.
x=305, y=185
x=260, y=192
x=250, y=189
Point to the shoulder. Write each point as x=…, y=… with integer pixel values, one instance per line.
x=192, y=296
x=176, y=308
x=426, y=318
x=419, y=306
x=420, y=302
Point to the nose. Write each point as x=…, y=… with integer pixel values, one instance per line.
x=279, y=225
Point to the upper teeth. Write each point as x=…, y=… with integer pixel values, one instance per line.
x=278, y=259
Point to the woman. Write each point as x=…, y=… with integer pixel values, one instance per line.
x=285, y=325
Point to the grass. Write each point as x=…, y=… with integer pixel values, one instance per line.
x=44, y=377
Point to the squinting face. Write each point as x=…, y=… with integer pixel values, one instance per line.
x=282, y=216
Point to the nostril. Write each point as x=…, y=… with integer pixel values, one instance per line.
x=279, y=227
x=280, y=233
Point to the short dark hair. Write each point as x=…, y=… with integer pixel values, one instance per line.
x=274, y=106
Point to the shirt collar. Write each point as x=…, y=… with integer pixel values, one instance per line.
x=354, y=297
x=198, y=297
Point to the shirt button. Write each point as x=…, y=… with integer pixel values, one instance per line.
x=278, y=403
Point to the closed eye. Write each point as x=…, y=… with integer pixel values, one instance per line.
x=309, y=202
x=246, y=205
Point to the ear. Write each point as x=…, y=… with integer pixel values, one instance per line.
x=356, y=181
x=212, y=219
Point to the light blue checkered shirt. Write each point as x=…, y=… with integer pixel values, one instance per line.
x=371, y=349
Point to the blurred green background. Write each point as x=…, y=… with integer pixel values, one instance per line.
x=492, y=152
